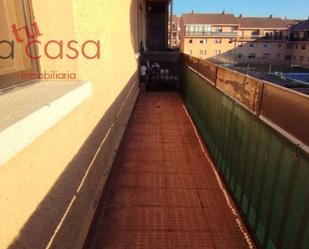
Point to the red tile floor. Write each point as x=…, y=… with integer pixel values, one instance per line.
x=163, y=191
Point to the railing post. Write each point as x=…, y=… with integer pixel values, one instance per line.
x=260, y=99
x=216, y=78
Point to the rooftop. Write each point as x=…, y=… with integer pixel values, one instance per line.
x=176, y=18
x=243, y=22
x=301, y=26
x=214, y=19
x=263, y=22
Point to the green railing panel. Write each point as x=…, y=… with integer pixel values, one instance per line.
x=267, y=175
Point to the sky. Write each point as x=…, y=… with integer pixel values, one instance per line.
x=294, y=9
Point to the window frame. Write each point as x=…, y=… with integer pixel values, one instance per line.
x=251, y=55
x=11, y=80
x=266, y=56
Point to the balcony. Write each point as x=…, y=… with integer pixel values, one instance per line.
x=209, y=166
x=211, y=34
x=299, y=39
x=206, y=160
x=261, y=37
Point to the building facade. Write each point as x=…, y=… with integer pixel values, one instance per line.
x=245, y=40
x=208, y=35
x=261, y=40
x=174, y=35
x=298, y=44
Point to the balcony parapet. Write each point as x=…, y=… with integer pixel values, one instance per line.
x=260, y=37
x=256, y=133
x=258, y=97
x=299, y=39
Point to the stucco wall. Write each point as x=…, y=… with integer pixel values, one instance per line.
x=49, y=191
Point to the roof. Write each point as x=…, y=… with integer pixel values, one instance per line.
x=304, y=25
x=214, y=19
x=263, y=22
x=176, y=18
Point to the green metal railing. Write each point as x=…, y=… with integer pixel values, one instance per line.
x=266, y=172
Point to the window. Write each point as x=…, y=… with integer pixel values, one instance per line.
x=239, y=56
x=190, y=51
x=266, y=56
x=266, y=45
x=278, y=56
x=253, y=45
x=279, y=45
x=251, y=55
x=207, y=28
x=203, y=41
x=217, y=52
x=301, y=58
x=203, y=52
x=303, y=46
x=190, y=41
x=294, y=58
x=255, y=33
x=288, y=57
x=14, y=61
x=218, y=29
x=289, y=46
x=240, y=44
x=218, y=40
x=232, y=29
x=296, y=46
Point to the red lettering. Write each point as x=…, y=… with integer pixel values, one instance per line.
x=15, y=31
x=60, y=46
x=73, y=49
x=28, y=50
x=98, y=50
x=35, y=29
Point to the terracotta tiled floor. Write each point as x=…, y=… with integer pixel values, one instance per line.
x=163, y=192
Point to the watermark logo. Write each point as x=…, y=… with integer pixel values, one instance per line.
x=72, y=49
x=49, y=75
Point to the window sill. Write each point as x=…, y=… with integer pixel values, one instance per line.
x=28, y=111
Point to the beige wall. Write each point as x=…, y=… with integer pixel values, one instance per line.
x=49, y=191
x=210, y=46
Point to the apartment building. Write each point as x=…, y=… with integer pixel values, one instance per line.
x=208, y=35
x=298, y=45
x=257, y=40
x=174, y=35
x=261, y=40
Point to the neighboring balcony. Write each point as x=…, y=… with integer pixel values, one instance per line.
x=211, y=34
x=264, y=37
x=299, y=39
